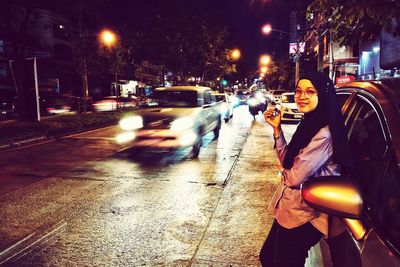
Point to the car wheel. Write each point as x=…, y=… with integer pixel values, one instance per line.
x=196, y=148
x=226, y=120
x=216, y=130
x=231, y=116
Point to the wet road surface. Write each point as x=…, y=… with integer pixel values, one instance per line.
x=83, y=200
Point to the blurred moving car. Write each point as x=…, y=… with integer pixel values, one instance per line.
x=372, y=113
x=257, y=102
x=55, y=106
x=243, y=96
x=274, y=96
x=289, y=109
x=181, y=116
x=226, y=105
x=111, y=103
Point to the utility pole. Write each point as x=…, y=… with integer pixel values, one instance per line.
x=297, y=67
x=85, y=87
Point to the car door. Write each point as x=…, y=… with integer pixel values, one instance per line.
x=209, y=114
x=376, y=170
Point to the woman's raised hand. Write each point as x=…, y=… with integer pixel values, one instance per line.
x=273, y=117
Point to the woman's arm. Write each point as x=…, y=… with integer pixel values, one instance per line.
x=309, y=160
x=280, y=146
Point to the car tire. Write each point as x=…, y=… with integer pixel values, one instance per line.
x=216, y=130
x=226, y=120
x=196, y=148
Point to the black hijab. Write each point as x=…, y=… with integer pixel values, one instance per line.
x=326, y=113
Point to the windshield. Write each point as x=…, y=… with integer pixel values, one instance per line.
x=220, y=98
x=278, y=92
x=176, y=98
x=287, y=98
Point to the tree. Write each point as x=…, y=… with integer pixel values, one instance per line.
x=280, y=75
x=354, y=20
x=187, y=42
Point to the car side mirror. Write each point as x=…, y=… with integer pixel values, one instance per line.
x=339, y=196
x=335, y=195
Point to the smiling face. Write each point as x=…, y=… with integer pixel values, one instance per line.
x=306, y=96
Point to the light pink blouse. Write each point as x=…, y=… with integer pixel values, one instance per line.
x=315, y=159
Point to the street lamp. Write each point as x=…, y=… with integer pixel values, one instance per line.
x=264, y=69
x=235, y=54
x=265, y=60
x=267, y=29
x=108, y=38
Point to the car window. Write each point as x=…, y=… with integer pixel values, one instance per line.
x=289, y=98
x=176, y=98
x=208, y=97
x=220, y=98
x=342, y=98
x=368, y=145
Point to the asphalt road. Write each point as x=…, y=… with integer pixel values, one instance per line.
x=84, y=200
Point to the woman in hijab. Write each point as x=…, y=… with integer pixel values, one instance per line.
x=319, y=147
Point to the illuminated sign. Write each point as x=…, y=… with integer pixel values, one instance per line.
x=293, y=47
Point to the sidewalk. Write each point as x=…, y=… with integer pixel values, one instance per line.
x=242, y=221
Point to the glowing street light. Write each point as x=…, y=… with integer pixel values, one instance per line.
x=108, y=37
x=264, y=69
x=266, y=29
x=235, y=54
x=265, y=60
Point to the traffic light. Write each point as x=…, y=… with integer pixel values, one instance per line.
x=224, y=82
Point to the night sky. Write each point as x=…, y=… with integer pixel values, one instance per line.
x=244, y=19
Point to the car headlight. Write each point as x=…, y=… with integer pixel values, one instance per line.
x=131, y=123
x=285, y=109
x=252, y=102
x=182, y=124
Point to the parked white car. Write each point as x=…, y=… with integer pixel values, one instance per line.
x=274, y=96
x=225, y=105
x=289, y=109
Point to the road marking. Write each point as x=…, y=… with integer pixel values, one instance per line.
x=31, y=242
x=52, y=140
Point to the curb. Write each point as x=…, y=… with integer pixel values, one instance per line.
x=51, y=135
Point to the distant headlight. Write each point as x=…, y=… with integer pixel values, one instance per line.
x=259, y=96
x=131, y=123
x=252, y=102
x=182, y=124
x=236, y=100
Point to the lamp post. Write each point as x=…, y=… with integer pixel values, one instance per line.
x=110, y=39
x=267, y=29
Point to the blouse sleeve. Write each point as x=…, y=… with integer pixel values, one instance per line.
x=309, y=160
x=280, y=147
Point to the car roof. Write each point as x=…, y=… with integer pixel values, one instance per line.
x=288, y=93
x=390, y=87
x=183, y=88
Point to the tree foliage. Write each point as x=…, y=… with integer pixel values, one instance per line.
x=280, y=75
x=186, y=42
x=354, y=20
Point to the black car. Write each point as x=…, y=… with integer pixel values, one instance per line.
x=370, y=207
